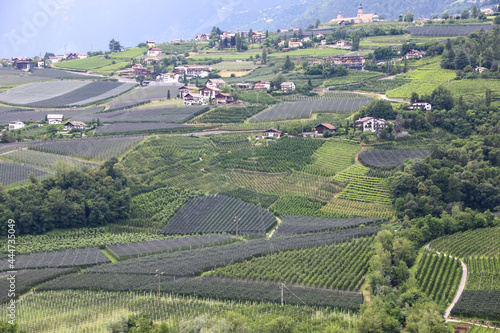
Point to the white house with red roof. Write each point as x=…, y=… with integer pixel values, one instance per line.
x=272, y=133
x=262, y=85
x=154, y=52
x=370, y=124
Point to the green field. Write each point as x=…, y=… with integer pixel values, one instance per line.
x=128, y=53
x=311, y=52
x=423, y=80
x=88, y=64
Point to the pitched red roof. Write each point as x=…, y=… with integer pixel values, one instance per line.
x=329, y=126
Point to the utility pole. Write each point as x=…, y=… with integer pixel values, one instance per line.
x=159, y=276
x=282, y=286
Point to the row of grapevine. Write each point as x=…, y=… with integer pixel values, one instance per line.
x=390, y=157
x=230, y=142
x=93, y=311
x=478, y=242
x=478, y=304
x=341, y=266
x=331, y=158
x=301, y=224
x=219, y=213
x=484, y=273
x=122, y=251
x=79, y=238
x=439, y=277
x=363, y=188
x=339, y=208
x=65, y=258
x=190, y=262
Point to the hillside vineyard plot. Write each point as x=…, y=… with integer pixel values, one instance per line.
x=349, y=208
x=219, y=213
x=439, y=277
x=328, y=96
x=191, y=262
x=484, y=273
x=101, y=148
x=302, y=224
x=163, y=115
x=390, y=158
x=45, y=160
x=478, y=304
x=363, y=188
x=340, y=266
x=304, y=109
x=65, y=258
x=29, y=278
x=479, y=242
x=447, y=30
x=36, y=92
x=92, y=92
x=94, y=311
x=331, y=158
x=14, y=172
x=133, y=249
x=120, y=128
x=143, y=94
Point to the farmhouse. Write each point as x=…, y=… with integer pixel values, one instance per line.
x=272, y=133
x=194, y=99
x=14, y=125
x=343, y=43
x=349, y=62
x=187, y=89
x=262, y=85
x=420, y=105
x=323, y=127
x=72, y=56
x=23, y=64
x=193, y=71
x=55, y=119
x=209, y=92
x=287, y=86
x=480, y=69
x=243, y=85
x=360, y=18
x=203, y=37
x=75, y=124
x=294, y=45
x=168, y=78
x=154, y=52
x=415, y=54
x=150, y=44
x=370, y=124
x=222, y=98
x=281, y=43
x=216, y=83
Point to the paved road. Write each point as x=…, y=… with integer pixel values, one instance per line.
x=461, y=287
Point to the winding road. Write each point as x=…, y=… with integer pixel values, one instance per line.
x=461, y=287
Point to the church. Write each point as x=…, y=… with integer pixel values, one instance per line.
x=360, y=18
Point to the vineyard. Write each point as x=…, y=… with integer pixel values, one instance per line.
x=144, y=115
x=439, y=277
x=191, y=262
x=160, y=205
x=218, y=213
x=352, y=77
x=123, y=251
x=259, y=199
x=90, y=63
x=65, y=258
x=143, y=94
x=304, y=109
x=390, y=158
x=28, y=278
x=229, y=114
x=484, y=273
x=331, y=158
x=363, y=188
x=94, y=149
x=284, y=155
x=230, y=142
x=123, y=128
x=80, y=238
x=301, y=224
x=297, y=206
x=447, y=30
x=332, y=266
x=89, y=93
x=340, y=208
x=328, y=96
x=479, y=242
x=49, y=311
x=14, y=172
x=478, y=304
x=423, y=80
x=45, y=160
x=293, y=183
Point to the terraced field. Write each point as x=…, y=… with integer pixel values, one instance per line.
x=363, y=188
x=331, y=158
x=337, y=207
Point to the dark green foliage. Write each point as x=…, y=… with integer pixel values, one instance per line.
x=377, y=108
x=461, y=60
x=442, y=98
x=284, y=155
x=71, y=199
x=478, y=304
x=300, y=206
x=230, y=114
x=256, y=98
x=264, y=200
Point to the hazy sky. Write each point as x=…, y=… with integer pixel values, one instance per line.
x=31, y=27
